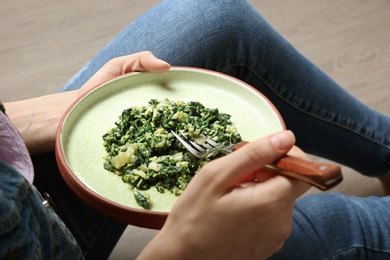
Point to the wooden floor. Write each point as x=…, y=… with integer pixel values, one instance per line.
x=43, y=43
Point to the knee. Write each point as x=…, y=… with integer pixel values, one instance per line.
x=322, y=208
x=224, y=15
x=317, y=220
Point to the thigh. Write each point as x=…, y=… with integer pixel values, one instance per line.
x=334, y=226
x=203, y=33
x=232, y=37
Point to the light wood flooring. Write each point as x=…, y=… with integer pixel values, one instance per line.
x=43, y=43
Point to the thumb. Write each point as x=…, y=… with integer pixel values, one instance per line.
x=142, y=61
x=146, y=61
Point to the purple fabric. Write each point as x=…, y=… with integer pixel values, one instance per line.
x=13, y=150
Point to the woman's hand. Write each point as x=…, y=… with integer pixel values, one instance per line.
x=233, y=208
x=37, y=119
x=142, y=61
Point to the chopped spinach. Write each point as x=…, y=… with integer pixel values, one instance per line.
x=143, y=199
x=143, y=151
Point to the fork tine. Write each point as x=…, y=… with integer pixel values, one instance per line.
x=183, y=142
x=199, y=147
x=214, y=145
x=210, y=141
x=204, y=147
x=199, y=151
x=188, y=146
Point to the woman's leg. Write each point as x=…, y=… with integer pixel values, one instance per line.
x=334, y=226
x=231, y=36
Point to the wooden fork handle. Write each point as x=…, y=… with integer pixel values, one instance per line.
x=321, y=175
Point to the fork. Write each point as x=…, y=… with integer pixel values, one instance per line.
x=321, y=175
x=201, y=151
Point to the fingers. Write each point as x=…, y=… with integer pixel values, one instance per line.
x=248, y=159
x=263, y=174
x=142, y=61
x=146, y=61
x=297, y=152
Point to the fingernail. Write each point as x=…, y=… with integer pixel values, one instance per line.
x=282, y=140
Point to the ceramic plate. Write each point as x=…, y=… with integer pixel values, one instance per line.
x=80, y=147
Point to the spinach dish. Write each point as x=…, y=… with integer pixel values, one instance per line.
x=143, y=151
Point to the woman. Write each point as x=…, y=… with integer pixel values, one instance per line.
x=231, y=37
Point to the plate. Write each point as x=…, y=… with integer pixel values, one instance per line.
x=79, y=143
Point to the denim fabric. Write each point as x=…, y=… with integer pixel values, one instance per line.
x=232, y=37
x=96, y=235
x=28, y=229
x=335, y=226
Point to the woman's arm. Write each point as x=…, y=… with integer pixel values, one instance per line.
x=37, y=119
x=233, y=208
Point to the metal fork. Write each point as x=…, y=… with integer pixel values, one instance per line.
x=321, y=175
x=201, y=151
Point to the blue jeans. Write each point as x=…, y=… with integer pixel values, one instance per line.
x=27, y=226
x=334, y=226
x=233, y=38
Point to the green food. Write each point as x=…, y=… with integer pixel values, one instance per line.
x=142, y=149
x=142, y=199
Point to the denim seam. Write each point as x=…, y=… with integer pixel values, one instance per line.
x=341, y=253
x=55, y=222
x=312, y=224
x=34, y=224
x=365, y=247
x=382, y=170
